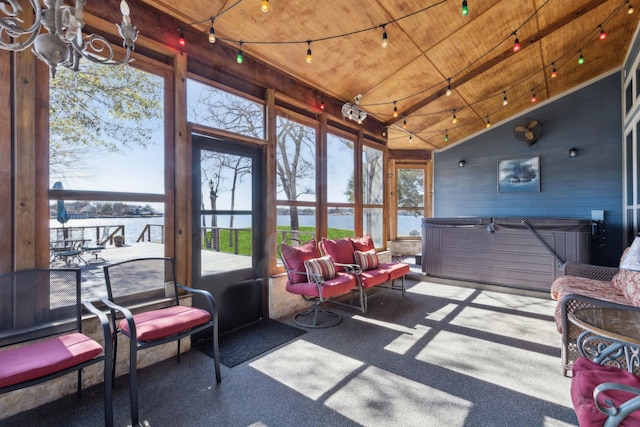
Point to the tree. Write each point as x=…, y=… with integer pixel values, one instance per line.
x=100, y=108
x=411, y=189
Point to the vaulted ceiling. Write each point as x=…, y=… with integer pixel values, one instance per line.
x=431, y=45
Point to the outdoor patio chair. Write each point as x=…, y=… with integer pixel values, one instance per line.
x=41, y=334
x=315, y=279
x=144, y=299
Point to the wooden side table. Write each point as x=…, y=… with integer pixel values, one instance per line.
x=609, y=334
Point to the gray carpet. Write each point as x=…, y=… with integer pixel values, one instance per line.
x=441, y=356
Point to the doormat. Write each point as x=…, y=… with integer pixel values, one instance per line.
x=246, y=343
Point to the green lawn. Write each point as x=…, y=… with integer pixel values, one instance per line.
x=244, y=238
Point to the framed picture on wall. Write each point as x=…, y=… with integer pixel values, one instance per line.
x=519, y=175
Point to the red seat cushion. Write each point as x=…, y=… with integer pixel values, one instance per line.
x=165, y=322
x=46, y=357
x=295, y=256
x=586, y=376
x=339, y=285
x=375, y=277
x=395, y=269
x=340, y=251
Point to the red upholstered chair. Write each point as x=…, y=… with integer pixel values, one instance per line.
x=41, y=311
x=315, y=279
x=604, y=395
x=143, y=296
x=361, y=253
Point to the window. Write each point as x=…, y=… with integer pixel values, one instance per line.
x=372, y=193
x=216, y=108
x=410, y=194
x=296, y=178
x=340, y=185
x=107, y=146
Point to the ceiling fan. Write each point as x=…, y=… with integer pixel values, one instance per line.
x=528, y=131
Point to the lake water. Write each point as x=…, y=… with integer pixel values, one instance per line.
x=135, y=226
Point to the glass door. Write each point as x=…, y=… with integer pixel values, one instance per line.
x=228, y=228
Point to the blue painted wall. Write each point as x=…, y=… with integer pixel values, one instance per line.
x=590, y=120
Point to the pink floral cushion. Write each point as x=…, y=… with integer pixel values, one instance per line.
x=364, y=243
x=294, y=257
x=42, y=358
x=151, y=325
x=366, y=260
x=569, y=285
x=629, y=283
x=320, y=267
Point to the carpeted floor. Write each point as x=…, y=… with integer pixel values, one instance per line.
x=251, y=341
x=440, y=356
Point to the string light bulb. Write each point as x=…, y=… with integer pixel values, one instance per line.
x=630, y=8
x=454, y=119
x=581, y=59
x=395, y=109
x=533, y=96
x=322, y=104
x=504, y=99
x=446, y=135
x=488, y=123
x=465, y=8
x=240, y=56
x=309, y=56
x=404, y=122
x=602, y=34
x=410, y=138
x=181, y=39
x=385, y=38
x=264, y=6
x=554, y=72
x=516, y=43
x=448, y=93
x=212, y=33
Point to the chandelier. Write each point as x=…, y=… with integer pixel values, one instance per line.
x=63, y=42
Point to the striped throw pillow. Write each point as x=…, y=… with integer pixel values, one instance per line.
x=320, y=267
x=366, y=260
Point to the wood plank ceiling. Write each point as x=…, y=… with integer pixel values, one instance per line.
x=431, y=45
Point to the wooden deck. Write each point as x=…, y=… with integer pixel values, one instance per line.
x=93, y=286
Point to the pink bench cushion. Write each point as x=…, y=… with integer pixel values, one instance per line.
x=165, y=322
x=586, y=376
x=46, y=357
x=395, y=269
x=340, y=251
x=294, y=258
x=375, y=277
x=339, y=285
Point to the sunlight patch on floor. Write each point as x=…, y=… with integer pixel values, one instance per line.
x=377, y=397
x=508, y=325
x=516, y=302
x=307, y=368
x=503, y=365
x=441, y=291
x=439, y=315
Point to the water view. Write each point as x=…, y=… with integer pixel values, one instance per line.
x=135, y=225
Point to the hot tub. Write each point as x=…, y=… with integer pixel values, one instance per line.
x=519, y=252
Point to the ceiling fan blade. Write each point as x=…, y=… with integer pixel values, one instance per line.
x=521, y=129
x=532, y=124
x=529, y=135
